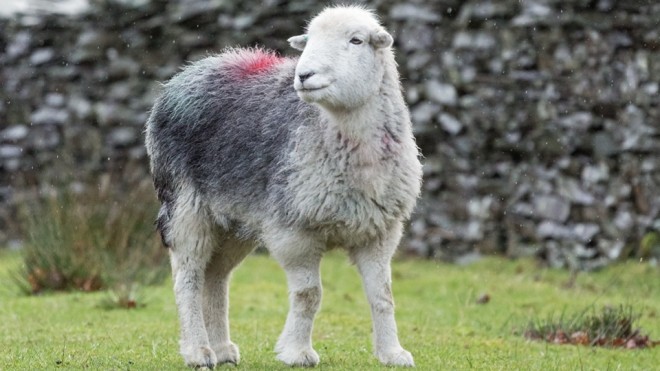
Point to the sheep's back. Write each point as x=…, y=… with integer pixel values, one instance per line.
x=223, y=125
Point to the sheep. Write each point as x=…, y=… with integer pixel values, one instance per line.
x=241, y=158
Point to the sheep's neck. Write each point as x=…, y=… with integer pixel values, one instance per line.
x=361, y=123
x=357, y=124
x=366, y=137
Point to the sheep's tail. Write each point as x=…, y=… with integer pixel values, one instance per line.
x=163, y=224
x=166, y=199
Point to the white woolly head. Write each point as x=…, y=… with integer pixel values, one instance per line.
x=345, y=51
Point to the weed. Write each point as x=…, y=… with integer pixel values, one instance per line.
x=124, y=295
x=612, y=327
x=91, y=238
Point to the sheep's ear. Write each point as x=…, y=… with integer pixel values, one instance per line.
x=381, y=39
x=298, y=42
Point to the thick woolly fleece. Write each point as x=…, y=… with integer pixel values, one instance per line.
x=239, y=159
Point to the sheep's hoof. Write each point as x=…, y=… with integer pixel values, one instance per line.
x=227, y=353
x=200, y=358
x=396, y=357
x=297, y=357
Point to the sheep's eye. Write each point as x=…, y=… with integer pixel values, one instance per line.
x=356, y=41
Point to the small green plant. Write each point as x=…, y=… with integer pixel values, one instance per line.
x=91, y=238
x=611, y=327
x=649, y=246
x=123, y=296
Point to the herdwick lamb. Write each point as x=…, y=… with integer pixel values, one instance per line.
x=242, y=158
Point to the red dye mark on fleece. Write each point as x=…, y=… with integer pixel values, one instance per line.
x=256, y=62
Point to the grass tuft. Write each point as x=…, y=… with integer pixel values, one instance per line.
x=123, y=296
x=93, y=237
x=609, y=327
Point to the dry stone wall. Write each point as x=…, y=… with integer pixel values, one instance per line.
x=539, y=120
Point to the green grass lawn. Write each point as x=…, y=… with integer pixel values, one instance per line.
x=439, y=319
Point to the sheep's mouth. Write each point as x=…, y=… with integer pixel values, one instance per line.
x=309, y=90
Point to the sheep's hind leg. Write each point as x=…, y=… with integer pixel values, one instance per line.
x=300, y=256
x=192, y=245
x=216, y=297
x=373, y=262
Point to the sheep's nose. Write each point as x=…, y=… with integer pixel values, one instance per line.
x=305, y=76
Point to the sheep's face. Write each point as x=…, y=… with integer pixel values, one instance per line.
x=343, y=58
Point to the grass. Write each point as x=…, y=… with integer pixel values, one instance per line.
x=439, y=318
x=610, y=326
x=98, y=237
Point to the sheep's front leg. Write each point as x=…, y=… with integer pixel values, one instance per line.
x=300, y=257
x=373, y=262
